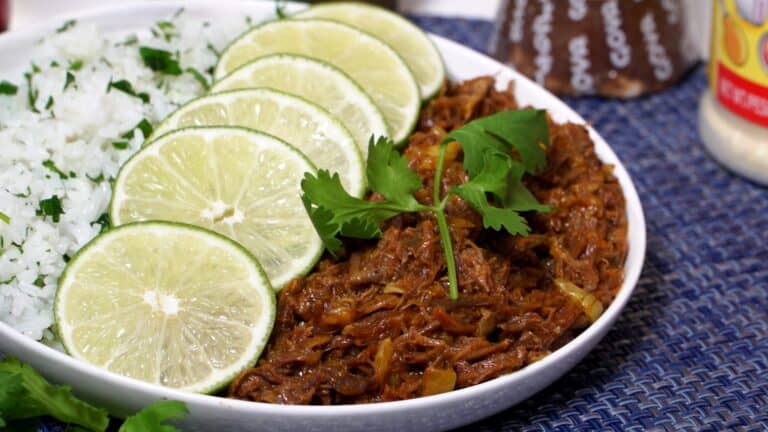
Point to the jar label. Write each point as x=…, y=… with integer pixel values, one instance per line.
x=739, y=63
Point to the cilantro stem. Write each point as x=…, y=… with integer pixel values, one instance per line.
x=442, y=224
x=450, y=261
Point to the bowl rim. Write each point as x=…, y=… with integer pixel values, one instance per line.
x=636, y=232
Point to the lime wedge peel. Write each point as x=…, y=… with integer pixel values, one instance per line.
x=303, y=124
x=240, y=183
x=318, y=82
x=373, y=64
x=416, y=48
x=166, y=303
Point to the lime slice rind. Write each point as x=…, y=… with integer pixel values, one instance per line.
x=87, y=284
x=318, y=82
x=266, y=172
x=373, y=64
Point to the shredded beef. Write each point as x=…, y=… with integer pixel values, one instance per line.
x=377, y=324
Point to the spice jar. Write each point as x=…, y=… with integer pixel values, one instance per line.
x=733, y=117
x=606, y=47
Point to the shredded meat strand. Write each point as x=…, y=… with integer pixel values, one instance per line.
x=377, y=324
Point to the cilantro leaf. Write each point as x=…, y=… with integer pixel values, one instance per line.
x=126, y=87
x=52, y=166
x=50, y=207
x=151, y=418
x=334, y=211
x=160, y=60
x=388, y=173
x=326, y=227
x=32, y=92
x=66, y=26
x=70, y=79
x=25, y=394
x=523, y=130
x=146, y=130
x=8, y=88
x=103, y=221
x=75, y=65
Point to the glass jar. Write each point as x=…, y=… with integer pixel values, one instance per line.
x=733, y=115
x=606, y=47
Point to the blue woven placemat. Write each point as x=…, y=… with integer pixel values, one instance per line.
x=690, y=351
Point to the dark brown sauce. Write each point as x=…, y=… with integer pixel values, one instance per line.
x=377, y=324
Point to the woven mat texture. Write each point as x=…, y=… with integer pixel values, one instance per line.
x=690, y=351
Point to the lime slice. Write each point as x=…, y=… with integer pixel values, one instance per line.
x=409, y=41
x=165, y=303
x=379, y=70
x=240, y=183
x=318, y=82
x=306, y=126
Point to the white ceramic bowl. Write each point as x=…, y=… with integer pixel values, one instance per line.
x=124, y=395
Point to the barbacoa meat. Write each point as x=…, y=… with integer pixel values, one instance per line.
x=376, y=324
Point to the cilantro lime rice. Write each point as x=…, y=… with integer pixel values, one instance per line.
x=81, y=109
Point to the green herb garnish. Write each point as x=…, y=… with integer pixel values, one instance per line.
x=280, y=10
x=199, y=77
x=75, y=65
x=69, y=81
x=50, y=207
x=213, y=49
x=103, y=221
x=160, y=60
x=144, y=126
x=8, y=88
x=52, y=166
x=26, y=395
x=126, y=87
x=4, y=217
x=66, y=26
x=151, y=419
x=49, y=103
x=495, y=188
x=98, y=179
x=120, y=145
x=32, y=92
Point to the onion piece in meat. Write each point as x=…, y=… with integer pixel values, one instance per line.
x=589, y=303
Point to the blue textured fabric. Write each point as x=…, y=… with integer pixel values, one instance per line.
x=690, y=351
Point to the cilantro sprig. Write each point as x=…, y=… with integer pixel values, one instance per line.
x=498, y=151
x=25, y=395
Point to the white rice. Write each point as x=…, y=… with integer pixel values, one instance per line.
x=76, y=133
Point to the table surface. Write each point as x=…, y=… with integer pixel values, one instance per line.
x=690, y=351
